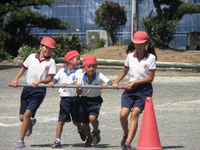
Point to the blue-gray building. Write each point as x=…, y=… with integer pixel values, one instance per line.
x=81, y=13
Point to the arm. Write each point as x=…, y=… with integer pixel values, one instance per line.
x=78, y=85
x=120, y=77
x=46, y=80
x=104, y=85
x=103, y=80
x=51, y=84
x=18, y=75
x=78, y=89
x=149, y=79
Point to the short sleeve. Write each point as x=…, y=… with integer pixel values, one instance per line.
x=52, y=67
x=152, y=66
x=127, y=60
x=103, y=78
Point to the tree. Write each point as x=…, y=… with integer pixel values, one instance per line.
x=18, y=17
x=111, y=16
x=162, y=26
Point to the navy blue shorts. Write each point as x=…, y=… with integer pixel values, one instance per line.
x=31, y=99
x=136, y=97
x=69, y=109
x=90, y=106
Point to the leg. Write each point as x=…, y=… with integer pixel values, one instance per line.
x=94, y=122
x=87, y=131
x=63, y=117
x=124, y=119
x=59, y=130
x=133, y=125
x=26, y=120
x=80, y=130
x=124, y=123
x=78, y=125
x=76, y=117
x=96, y=132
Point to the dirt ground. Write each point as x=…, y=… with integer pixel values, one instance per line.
x=119, y=53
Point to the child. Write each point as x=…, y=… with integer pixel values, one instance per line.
x=40, y=69
x=140, y=66
x=69, y=104
x=91, y=99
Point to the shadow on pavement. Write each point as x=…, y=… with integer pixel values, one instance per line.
x=3, y=67
x=172, y=147
x=73, y=145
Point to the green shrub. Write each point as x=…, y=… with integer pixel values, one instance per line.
x=26, y=50
x=4, y=55
x=100, y=42
x=65, y=43
x=96, y=43
x=160, y=31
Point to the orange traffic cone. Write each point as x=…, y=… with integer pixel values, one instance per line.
x=149, y=137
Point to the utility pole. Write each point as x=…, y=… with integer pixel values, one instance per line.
x=134, y=22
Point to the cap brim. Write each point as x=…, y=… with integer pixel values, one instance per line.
x=48, y=46
x=138, y=41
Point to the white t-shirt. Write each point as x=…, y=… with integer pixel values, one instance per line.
x=63, y=77
x=98, y=79
x=138, y=69
x=38, y=70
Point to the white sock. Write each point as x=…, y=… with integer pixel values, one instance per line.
x=20, y=140
x=58, y=139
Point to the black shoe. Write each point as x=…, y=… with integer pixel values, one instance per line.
x=126, y=147
x=56, y=144
x=123, y=141
x=82, y=134
x=88, y=142
x=96, y=137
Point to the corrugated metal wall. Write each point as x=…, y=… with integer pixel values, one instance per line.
x=81, y=13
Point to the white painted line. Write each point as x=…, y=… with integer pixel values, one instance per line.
x=39, y=120
x=170, y=104
x=9, y=125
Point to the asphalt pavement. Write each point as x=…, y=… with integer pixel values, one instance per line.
x=176, y=104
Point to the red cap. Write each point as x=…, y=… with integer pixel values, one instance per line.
x=48, y=41
x=140, y=37
x=69, y=55
x=89, y=60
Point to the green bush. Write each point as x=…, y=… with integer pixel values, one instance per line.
x=100, y=42
x=160, y=31
x=4, y=55
x=96, y=43
x=65, y=43
x=26, y=50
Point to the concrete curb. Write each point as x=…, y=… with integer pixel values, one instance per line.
x=108, y=62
